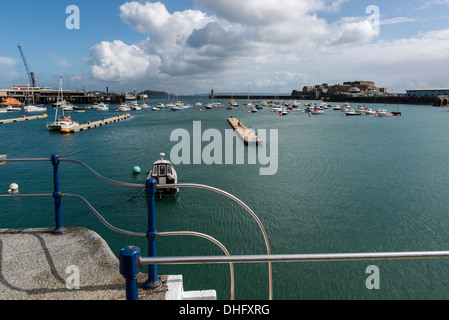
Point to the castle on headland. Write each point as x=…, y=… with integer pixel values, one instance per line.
x=347, y=89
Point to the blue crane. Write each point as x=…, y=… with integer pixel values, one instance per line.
x=31, y=75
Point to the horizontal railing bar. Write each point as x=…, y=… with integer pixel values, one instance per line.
x=25, y=159
x=25, y=195
x=295, y=258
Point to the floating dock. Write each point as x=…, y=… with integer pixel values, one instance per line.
x=23, y=118
x=99, y=123
x=247, y=135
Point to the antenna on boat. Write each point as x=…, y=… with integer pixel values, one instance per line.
x=162, y=155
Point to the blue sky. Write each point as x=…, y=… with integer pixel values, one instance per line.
x=226, y=45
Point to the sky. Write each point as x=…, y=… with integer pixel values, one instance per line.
x=231, y=46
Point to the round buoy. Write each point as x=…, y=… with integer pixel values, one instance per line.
x=136, y=169
x=310, y=115
x=13, y=187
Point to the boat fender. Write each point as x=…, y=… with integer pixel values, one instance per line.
x=88, y=122
x=171, y=177
x=23, y=116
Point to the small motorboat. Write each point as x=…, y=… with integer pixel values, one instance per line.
x=165, y=174
x=34, y=108
x=353, y=113
x=123, y=107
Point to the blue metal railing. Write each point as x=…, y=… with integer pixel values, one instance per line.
x=150, y=187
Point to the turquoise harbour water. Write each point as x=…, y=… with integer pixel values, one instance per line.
x=344, y=185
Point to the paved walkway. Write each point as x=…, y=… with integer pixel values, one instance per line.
x=36, y=264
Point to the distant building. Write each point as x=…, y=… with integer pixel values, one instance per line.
x=428, y=92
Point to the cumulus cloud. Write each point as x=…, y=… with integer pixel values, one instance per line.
x=260, y=42
x=117, y=61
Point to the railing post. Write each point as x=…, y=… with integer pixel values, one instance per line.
x=57, y=195
x=129, y=258
x=153, y=279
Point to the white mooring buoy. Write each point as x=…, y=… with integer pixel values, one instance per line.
x=13, y=187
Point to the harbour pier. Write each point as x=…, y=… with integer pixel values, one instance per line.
x=99, y=123
x=247, y=135
x=23, y=118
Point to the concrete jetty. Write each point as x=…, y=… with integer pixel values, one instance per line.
x=99, y=123
x=36, y=264
x=23, y=118
x=247, y=135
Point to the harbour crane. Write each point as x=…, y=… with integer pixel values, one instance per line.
x=31, y=75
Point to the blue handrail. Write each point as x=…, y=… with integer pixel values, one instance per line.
x=150, y=187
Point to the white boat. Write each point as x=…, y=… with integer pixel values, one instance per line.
x=337, y=107
x=208, y=106
x=164, y=173
x=136, y=107
x=353, y=113
x=34, y=108
x=123, y=107
x=382, y=113
x=64, y=122
x=276, y=109
x=345, y=107
x=155, y=108
x=316, y=111
x=66, y=107
x=103, y=107
x=145, y=106
x=11, y=108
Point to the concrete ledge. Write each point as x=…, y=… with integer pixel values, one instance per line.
x=176, y=291
x=36, y=264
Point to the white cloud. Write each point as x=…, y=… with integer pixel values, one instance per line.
x=116, y=61
x=263, y=43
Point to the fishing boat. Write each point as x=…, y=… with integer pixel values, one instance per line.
x=64, y=122
x=164, y=173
